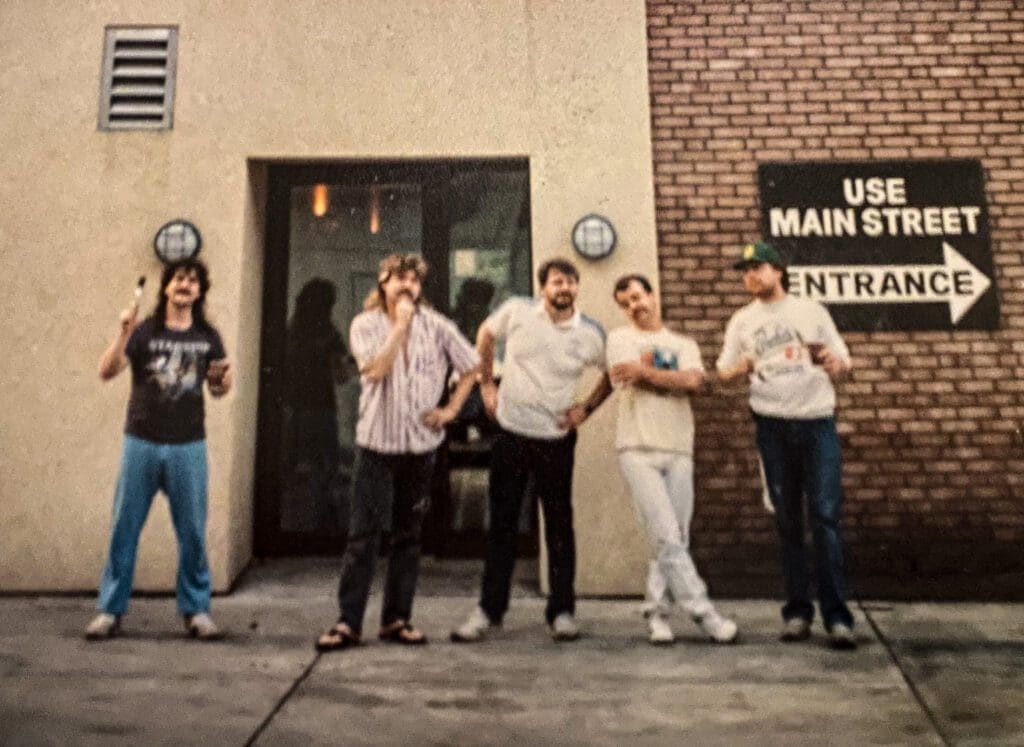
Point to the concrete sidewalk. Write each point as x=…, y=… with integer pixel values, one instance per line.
x=923, y=674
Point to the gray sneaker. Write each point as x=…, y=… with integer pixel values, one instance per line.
x=795, y=629
x=202, y=627
x=476, y=628
x=841, y=637
x=719, y=629
x=104, y=625
x=564, y=628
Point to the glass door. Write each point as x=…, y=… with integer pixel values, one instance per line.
x=328, y=227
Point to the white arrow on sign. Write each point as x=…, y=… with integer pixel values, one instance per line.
x=955, y=281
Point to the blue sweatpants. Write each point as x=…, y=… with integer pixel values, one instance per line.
x=180, y=471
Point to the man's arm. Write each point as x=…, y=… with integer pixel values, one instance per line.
x=635, y=373
x=219, y=377
x=439, y=417
x=742, y=367
x=379, y=366
x=113, y=361
x=835, y=358
x=575, y=415
x=485, y=343
x=733, y=362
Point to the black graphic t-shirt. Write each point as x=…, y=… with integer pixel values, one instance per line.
x=168, y=371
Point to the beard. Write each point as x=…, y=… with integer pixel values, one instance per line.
x=562, y=301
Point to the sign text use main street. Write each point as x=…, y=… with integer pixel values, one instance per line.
x=886, y=245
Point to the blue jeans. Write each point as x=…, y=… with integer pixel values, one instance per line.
x=802, y=458
x=180, y=471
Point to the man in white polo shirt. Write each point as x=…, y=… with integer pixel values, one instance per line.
x=405, y=352
x=548, y=345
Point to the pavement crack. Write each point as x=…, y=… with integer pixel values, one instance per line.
x=282, y=700
x=928, y=712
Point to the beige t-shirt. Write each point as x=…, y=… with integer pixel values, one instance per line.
x=650, y=419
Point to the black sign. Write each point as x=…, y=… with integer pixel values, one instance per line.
x=886, y=245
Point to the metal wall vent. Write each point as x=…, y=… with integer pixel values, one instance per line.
x=138, y=78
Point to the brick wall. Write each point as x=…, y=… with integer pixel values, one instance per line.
x=931, y=422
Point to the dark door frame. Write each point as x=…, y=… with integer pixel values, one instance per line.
x=434, y=178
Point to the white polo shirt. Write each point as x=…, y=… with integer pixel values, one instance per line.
x=542, y=365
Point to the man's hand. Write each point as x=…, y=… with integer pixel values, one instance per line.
x=439, y=417
x=113, y=360
x=218, y=377
x=489, y=395
x=744, y=365
x=693, y=378
x=404, y=309
x=627, y=373
x=834, y=366
x=572, y=418
x=129, y=320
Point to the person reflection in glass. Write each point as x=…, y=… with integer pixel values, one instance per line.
x=317, y=360
x=472, y=305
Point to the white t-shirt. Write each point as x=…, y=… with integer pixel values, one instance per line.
x=784, y=382
x=542, y=365
x=654, y=419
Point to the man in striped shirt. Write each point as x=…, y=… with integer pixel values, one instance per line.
x=405, y=352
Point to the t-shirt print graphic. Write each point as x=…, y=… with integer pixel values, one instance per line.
x=660, y=358
x=780, y=352
x=175, y=372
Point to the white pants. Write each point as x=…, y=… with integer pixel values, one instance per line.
x=662, y=487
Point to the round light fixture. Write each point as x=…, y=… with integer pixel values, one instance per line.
x=594, y=236
x=176, y=241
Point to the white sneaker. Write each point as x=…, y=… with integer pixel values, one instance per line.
x=841, y=637
x=202, y=626
x=475, y=628
x=104, y=625
x=660, y=632
x=564, y=628
x=719, y=629
x=795, y=629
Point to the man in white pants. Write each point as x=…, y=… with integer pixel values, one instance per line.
x=654, y=371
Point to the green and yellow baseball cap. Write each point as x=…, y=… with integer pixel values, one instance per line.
x=756, y=253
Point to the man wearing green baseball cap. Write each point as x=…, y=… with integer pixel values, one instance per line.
x=791, y=352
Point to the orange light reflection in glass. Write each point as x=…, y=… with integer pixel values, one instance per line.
x=320, y=200
x=374, y=210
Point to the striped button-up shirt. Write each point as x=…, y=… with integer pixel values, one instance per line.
x=391, y=410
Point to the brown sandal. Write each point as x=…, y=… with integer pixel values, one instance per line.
x=402, y=632
x=338, y=637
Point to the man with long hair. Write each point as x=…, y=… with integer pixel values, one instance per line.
x=548, y=345
x=790, y=351
x=171, y=354
x=405, y=351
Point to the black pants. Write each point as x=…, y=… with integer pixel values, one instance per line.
x=514, y=459
x=388, y=490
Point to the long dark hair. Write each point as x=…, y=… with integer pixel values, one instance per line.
x=199, y=307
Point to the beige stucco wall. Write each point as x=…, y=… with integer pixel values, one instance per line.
x=563, y=83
